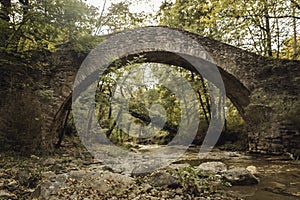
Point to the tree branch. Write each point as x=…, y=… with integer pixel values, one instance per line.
x=296, y=4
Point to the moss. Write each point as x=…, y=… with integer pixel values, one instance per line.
x=198, y=183
x=45, y=94
x=240, y=145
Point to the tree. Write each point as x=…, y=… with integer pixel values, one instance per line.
x=260, y=26
x=295, y=6
x=194, y=15
x=42, y=25
x=141, y=87
x=290, y=49
x=118, y=17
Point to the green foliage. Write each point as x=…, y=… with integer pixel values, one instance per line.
x=288, y=50
x=194, y=15
x=51, y=24
x=46, y=24
x=45, y=94
x=234, y=122
x=240, y=145
x=259, y=26
x=139, y=84
x=119, y=17
x=194, y=182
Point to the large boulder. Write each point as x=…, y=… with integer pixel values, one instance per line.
x=164, y=179
x=212, y=167
x=91, y=182
x=240, y=176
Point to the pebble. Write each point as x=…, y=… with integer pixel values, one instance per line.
x=34, y=157
x=4, y=194
x=49, y=161
x=13, y=183
x=252, y=169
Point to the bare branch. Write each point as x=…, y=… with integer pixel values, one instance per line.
x=99, y=26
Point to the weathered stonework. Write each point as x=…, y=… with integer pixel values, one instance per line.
x=262, y=89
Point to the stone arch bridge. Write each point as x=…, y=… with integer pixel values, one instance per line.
x=265, y=91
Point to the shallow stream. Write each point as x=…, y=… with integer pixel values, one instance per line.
x=279, y=175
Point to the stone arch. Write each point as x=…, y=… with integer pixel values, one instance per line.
x=245, y=74
x=249, y=82
x=236, y=90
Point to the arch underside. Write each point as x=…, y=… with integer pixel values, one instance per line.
x=235, y=90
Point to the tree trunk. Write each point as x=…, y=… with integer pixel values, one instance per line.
x=295, y=34
x=269, y=36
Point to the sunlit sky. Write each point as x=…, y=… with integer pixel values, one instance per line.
x=148, y=6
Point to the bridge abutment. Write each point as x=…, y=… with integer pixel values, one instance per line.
x=269, y=125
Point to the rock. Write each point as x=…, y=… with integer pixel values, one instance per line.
x=131, y=196
x=34, y=157
x=24, y=176
x=212, y=167
x=163, y=179
x=252, y=169
x=4, y=194
x=57, y=168
x=177, y=197
x=47, y=189
x=12, y=185
x=179, y=166
x=146, y=187
x=93, y=180
x=219, y=156
x=49, y=161
x=240, y=176
x=145, y=168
